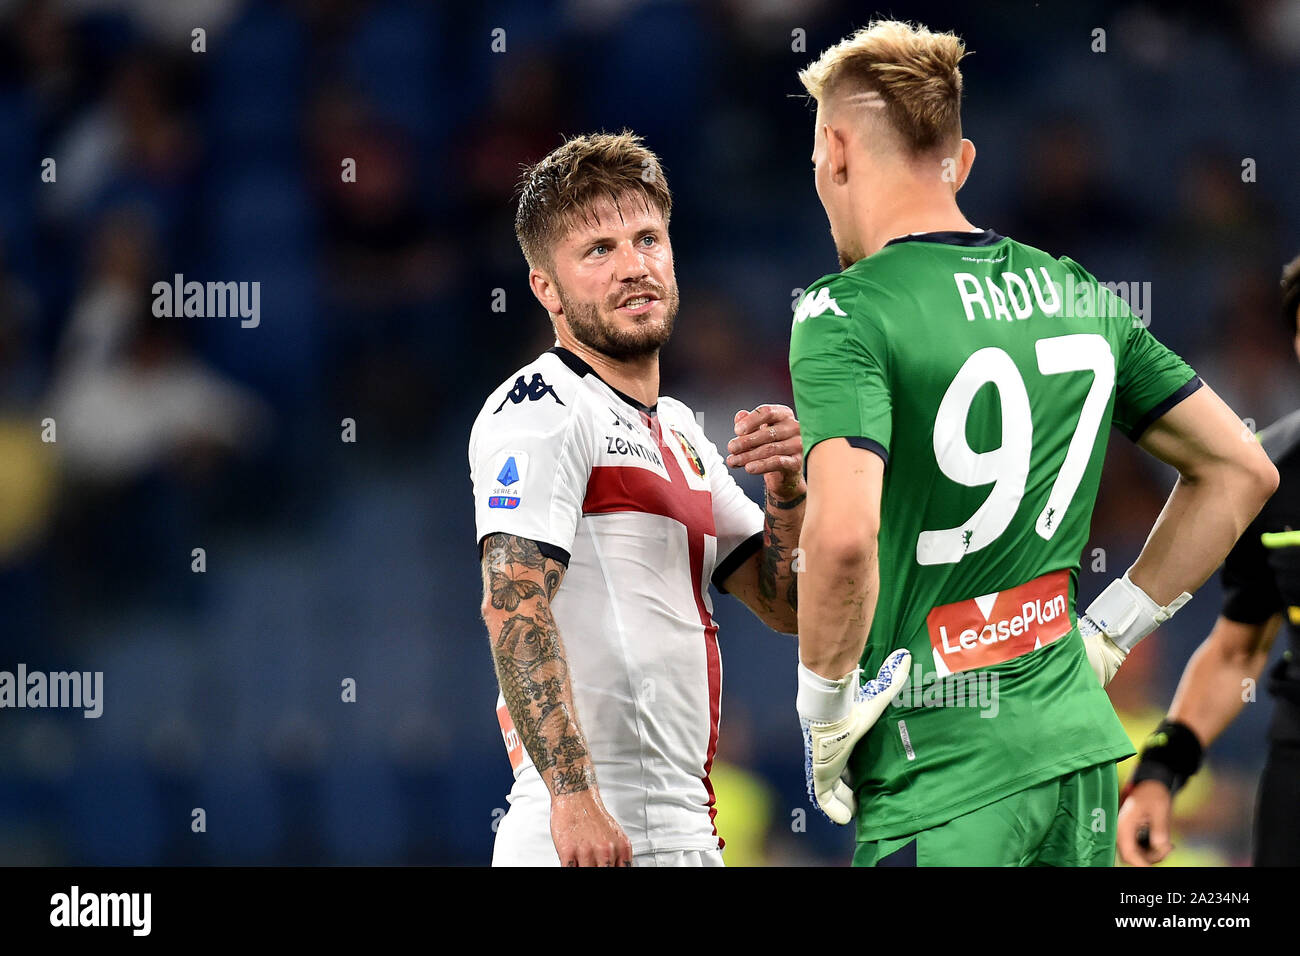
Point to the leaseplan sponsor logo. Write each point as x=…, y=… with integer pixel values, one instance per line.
x=74, y=908
x=511, y=468
x=998, y=627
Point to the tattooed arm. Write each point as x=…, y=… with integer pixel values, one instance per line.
x=518, y=585
x=768, y=443
x=767, y=583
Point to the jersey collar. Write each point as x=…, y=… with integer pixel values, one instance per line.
x=580, y=367
x=985, y=237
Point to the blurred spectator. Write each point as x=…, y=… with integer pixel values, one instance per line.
x=128, y=396
x=142, y=424
x=1067, y=206
x=1218, y=230
x=385, y=266
x=1257, y=376
x=135, y=142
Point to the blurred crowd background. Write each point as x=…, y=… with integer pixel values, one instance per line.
x=399, y=301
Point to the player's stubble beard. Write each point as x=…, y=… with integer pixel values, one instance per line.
x=847, y=254
x=644, y=339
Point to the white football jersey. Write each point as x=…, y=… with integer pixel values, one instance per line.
x=640, y=506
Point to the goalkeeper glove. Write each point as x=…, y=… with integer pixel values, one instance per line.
x=835, y=715
x=1121, y=616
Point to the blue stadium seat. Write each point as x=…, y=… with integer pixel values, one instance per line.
x=261, y=230
x=256, y=86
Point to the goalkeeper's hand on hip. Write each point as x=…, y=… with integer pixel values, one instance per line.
x=1113, y=624
x=835, y=715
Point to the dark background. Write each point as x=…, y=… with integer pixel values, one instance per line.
x=328, y=559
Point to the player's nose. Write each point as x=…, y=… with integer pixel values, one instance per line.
x=630, y=262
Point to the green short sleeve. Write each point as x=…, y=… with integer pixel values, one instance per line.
x=1150, y=380
x=839, y=368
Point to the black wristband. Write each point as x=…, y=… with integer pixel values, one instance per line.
x=787, y=505
x=1170, y=755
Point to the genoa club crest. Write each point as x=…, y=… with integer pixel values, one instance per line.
x=692, y=456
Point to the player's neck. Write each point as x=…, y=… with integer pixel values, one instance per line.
x=636, y=378
x=909, y=215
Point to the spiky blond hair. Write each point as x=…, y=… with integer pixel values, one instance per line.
x=909, y=71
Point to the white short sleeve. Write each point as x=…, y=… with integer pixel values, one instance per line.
x=530, y=462
x=737, y=520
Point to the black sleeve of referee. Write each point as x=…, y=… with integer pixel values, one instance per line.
x=1250, y=594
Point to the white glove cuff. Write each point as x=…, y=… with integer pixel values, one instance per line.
x=1126, y=614
x=822, y=700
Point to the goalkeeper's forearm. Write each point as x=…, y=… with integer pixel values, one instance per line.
x=1203, y=518
x=1224, y=479
x=1212, y=503
x=837, y=600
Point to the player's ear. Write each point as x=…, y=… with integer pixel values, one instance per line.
x=1296, y=340
x=837, y=154
x=964, y=162
x=545, y=290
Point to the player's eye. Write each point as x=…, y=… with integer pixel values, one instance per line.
x=599, y=249
x=648, y=240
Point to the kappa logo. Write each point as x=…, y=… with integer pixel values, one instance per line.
x=620, y=420
x=811, y=306
x=534, y=390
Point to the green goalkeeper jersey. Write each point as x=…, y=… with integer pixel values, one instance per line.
x=985, y=373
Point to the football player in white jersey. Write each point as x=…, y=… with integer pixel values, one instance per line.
x=603, y=513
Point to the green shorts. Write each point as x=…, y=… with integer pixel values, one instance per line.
x=1067, y=821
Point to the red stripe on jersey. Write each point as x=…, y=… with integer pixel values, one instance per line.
x=614, y=488
x=514, y=745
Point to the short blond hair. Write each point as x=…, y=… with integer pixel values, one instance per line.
x=561, y=187
x=908, y=70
